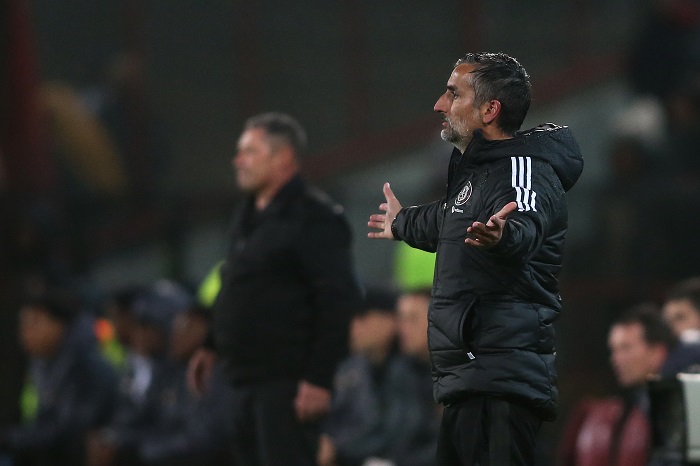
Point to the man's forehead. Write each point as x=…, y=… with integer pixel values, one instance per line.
x=627, y=331
x=461, y=74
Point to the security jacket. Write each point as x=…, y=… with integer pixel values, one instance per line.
x=288, y=289
x=490, y=319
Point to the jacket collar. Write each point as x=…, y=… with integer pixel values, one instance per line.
x=288, y=192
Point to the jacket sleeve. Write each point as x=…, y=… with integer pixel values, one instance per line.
x=85, y=402
x=419, y=226
x=325, y=255
x=538, y=208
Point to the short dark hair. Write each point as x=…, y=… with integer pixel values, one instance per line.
x=687, y=289
x=282, y=126
x=378, y=299
x=648, y=315
x=58, y=303
x=498, y=76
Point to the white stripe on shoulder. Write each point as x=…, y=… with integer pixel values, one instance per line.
x=521, y=181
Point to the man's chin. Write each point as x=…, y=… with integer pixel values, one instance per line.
x=452, y=137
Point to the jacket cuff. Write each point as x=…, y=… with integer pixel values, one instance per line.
x=394, y=229
x=504, y=243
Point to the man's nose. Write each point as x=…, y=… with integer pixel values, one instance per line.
x=439, y=106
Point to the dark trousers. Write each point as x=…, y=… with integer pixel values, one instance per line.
x=487, y=431
x=266, y=431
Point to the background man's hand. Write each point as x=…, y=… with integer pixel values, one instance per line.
x=199, y=370
x=489, y=234
x=382, y=222
x=311, y=401
x=326, y=451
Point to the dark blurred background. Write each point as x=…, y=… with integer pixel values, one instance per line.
x=118, y=121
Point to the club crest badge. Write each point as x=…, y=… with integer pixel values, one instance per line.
x=464, y=194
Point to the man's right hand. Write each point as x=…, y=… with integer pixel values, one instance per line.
x=199, y=370
x=382, y=222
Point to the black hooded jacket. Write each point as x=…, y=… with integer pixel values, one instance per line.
x=491, y=313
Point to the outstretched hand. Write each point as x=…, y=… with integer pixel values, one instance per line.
x=382, y=222
x=487, y=235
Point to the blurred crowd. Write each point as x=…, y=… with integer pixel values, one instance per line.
x=109, y=388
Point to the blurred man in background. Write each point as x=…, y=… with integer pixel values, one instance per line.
x=383, y=410
x=639, y=343
x=616, y=430
x=419, y=448
x=288, y=289
x=682, y=310
x=76, y=388
x=366, y=406
x=149, y=380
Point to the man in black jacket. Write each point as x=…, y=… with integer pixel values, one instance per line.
x=288, y=292
x=499, y=237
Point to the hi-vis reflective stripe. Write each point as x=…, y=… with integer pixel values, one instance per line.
x=521, y=181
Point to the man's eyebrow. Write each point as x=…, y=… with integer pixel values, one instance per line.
x=451, y=87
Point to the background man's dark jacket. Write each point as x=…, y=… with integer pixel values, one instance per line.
x=288, y=289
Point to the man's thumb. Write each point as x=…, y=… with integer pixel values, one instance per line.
x=388, y=193
x=506, y=210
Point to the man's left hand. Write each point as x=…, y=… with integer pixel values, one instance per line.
x=311, y=402
x=487, y=235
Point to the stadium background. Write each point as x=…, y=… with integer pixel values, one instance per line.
x=119, y=120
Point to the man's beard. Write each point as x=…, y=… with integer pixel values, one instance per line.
x=452, y=136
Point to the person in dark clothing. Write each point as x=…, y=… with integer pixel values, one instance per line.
x=681, y=310
x=499, y=235
x=280, y=320
x=380, y=409
x=149, y=385
x=189, y=430
x=642, y=347
x=76, y=387
x=412, y=312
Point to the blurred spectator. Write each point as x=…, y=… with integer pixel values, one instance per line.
x=148, y=380
x=358, y=425
x=189, y=430
x=616, y=431
x=681, y=310
x=383, y=407
x=412, y=310
x=419, y=446
x=76, y=389
x=119, y=311
x=639, y=343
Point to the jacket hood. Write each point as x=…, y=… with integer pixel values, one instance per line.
x=552, y=143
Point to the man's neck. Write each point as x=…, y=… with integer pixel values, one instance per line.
x=264, y=197
x=489, y=133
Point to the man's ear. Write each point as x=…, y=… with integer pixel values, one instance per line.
x=490, y=111
x=285, y=154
